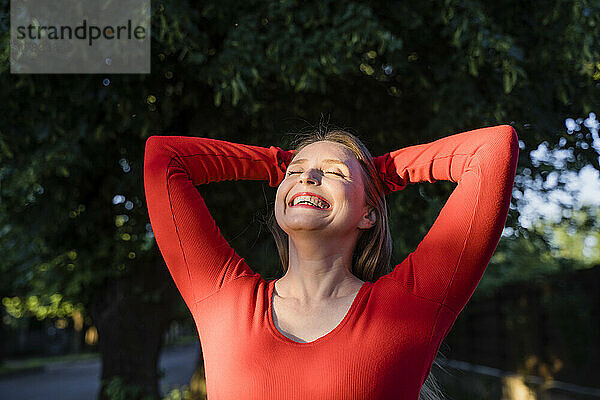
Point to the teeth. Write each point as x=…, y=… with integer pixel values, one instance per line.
x=312, y=200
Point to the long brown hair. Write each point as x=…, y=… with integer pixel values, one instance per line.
x=373, y=250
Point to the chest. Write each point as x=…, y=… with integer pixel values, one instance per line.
x=386, y=341
x=306, y=325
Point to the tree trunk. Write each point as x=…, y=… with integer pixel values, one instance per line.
x=130, y=336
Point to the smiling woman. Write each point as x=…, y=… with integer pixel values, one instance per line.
x=340, y=324
x=352, y=170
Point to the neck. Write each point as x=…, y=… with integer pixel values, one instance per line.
x=319, y=270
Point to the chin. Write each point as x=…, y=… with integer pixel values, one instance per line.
x=300, y=224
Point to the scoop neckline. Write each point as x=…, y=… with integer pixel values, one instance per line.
x=329, y=334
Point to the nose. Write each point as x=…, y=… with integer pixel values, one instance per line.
x=310, y=176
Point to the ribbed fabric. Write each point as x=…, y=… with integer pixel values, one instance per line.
x=386, y=343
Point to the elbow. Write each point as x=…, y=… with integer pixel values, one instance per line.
x=155, y=154
x=508, y=140
x=160, y=155
x=150, y=151
x=509, y=133
x=153, y=145
x=501, y=150
x=155, y=148
x=509, y=145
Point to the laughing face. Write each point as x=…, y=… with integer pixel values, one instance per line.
x=323, y=191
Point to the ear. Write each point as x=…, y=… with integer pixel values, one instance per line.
x=368, y=220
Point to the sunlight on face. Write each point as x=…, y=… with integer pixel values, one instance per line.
x=323, y=191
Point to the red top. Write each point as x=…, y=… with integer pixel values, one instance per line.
x=386, y=343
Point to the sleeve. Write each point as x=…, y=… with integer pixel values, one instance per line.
x=198, y=257
x=449, y=262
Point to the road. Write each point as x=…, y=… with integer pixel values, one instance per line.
x=79, y=380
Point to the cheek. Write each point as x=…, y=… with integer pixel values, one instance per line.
x=280, y=197
x=282, y=189
x=354, y=198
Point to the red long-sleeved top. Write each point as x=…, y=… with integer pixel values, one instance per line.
x=385, y=345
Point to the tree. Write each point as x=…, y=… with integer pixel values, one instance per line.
x=71, y=146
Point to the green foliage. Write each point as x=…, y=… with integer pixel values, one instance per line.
x=415, y=72
x=117, y=389
x=576, y=238
x=522, y=258
x=296, y=46
x=49, y=306
x=182, y=393
x=546, y=249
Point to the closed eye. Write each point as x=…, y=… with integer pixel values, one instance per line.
x=328, y=172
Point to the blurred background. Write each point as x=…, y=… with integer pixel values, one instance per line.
x=88, y=307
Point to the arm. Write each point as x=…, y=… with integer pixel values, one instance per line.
x=198, y=257
x=450, y=260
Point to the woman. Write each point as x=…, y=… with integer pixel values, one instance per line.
x=337, y=325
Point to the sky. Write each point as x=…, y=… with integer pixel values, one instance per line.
x=581, y=187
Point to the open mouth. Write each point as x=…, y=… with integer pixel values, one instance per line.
x=309, y=200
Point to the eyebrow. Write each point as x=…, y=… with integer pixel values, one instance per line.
x=327, y=161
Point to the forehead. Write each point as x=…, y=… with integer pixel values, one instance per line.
x=326, y=149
